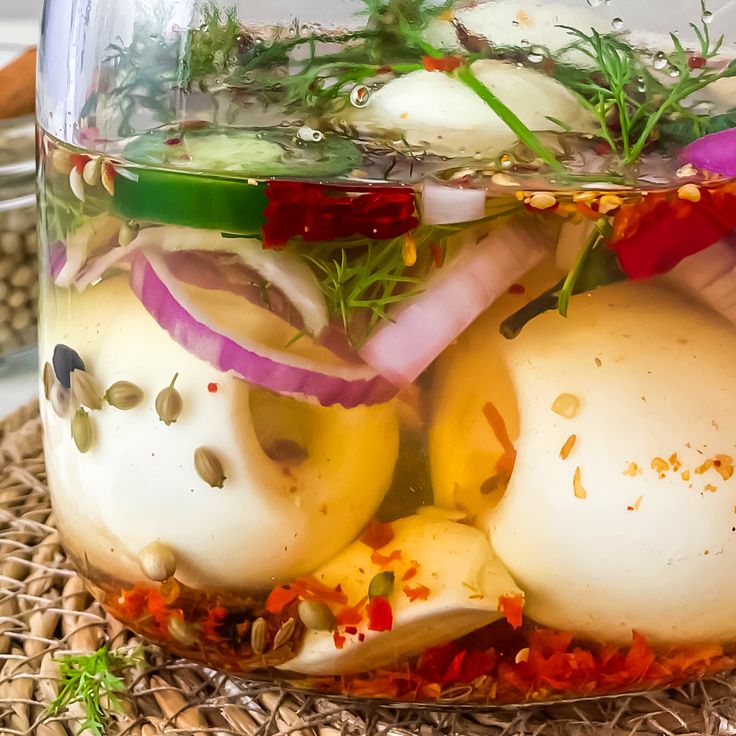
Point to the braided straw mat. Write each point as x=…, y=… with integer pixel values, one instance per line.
x=45, y=612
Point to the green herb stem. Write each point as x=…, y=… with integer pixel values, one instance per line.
x=568, y=286
x=510, y=118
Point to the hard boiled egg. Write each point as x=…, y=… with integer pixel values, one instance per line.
x=440, y=114
x=455, y=588
x=522, y=24
x=620, y=513
x=280, y=513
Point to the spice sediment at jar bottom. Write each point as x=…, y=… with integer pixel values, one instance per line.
x=400, y=369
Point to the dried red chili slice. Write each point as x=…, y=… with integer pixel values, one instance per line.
x=653, y=235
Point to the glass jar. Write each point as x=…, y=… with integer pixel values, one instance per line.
x=387, y=346
x=18, y=244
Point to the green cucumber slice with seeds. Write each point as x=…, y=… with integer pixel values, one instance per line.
x=244, y=152
x=183, y=176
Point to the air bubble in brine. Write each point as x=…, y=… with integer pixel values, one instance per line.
x=617, y=24
x=536, y=55
x=360, y=96
x=595, y=3
x=305, y=133
x=659, y=60
x=707, y=16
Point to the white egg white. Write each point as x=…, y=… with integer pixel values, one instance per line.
x=138, y=483
x=453, y=561
x=632, y=526
x=523, y=24
x=436, y=112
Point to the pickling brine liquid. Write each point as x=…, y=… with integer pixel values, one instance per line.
x=391, y=406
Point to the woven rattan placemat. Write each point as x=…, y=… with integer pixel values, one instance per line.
x=46, y=613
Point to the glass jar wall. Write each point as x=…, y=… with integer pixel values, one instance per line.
x=387, y=346
x=18, y=244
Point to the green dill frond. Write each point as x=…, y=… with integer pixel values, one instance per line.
x=95, y=681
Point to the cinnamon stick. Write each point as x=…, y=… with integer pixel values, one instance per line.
x=18, y=86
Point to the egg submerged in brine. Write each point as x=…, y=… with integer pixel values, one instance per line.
x=620, y=512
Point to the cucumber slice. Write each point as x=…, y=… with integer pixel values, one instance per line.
x=244, y=152
x=227, y=205
x=187, y=183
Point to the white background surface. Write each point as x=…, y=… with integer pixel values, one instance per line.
x=19, y=21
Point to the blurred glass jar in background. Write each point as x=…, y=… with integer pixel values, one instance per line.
x=18, y=242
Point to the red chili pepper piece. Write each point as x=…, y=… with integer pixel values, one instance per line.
x=512, y=606
x=79, y=161
x=213, y=388
x=417, y=593
x=652, y=236
x=380, y=615
x=339, y=640
x=316, y=213
x=441, y=64
x=377, y=534
x=279, y=598
x=696, y=62
x=382, y=560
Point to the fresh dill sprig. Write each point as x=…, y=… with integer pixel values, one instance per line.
x=509, y=117
x=211, y=48
x=632, y=103
x=364, y=282
x=95, y=681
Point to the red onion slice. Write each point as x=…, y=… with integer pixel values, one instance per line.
x=444, y=205
x=715, y=152
x=711, y=276
x=286, y=273
x=451, y=300
x=291, y=374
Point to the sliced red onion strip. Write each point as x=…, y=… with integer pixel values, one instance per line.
x=715, y=152
x=289, y=275
x=451, y=300
x=57, y=258
x=443, y=205
x=164, y=298
x=711, y=276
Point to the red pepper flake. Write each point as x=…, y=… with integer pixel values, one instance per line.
x=417, y=593
x=79, y=161
x=279, y=598
x=438, y=254
x=361, y=637
x=602, y=148
x=309, y=587
x=321, y=214
x=507, y=461
x=352, y=630
x=213, y=622
x=213, y=388
x=173, y=142
x=696, y=62
x=380, y=615
x=654, y=234
x=587, y=211
x=339, y=640
x=409, y=574
x=512, y=606
x=441, y=64
x=377, y=534
x=383, y=560
x=352, y=615
x=517, y=289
